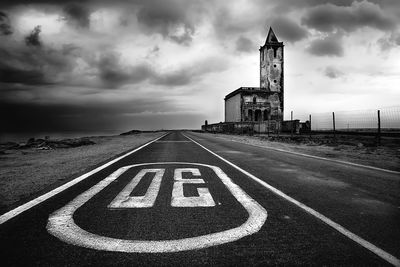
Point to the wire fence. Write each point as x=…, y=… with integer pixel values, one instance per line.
x=355, y=120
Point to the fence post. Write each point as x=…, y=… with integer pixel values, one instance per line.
x=334, y=126
x=291, y=122
x=379, y=127
x=310, y=125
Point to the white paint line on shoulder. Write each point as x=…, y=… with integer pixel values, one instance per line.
x=364, y=243
x=169, y=141
x=321, y=158
x=61, y=223
x=14, y=212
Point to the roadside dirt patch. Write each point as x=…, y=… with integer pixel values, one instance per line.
x=27, y=172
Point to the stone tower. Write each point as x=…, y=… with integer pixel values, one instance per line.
x=271, y=69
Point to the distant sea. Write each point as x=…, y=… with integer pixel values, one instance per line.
x=23, y=137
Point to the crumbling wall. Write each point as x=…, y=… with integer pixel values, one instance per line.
x=271, y=72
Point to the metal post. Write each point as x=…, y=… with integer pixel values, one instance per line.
x=379, y=127
x=334, y=126
x=310, y=125
x=291, y=121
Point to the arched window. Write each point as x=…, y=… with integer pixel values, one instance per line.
x=254, y=100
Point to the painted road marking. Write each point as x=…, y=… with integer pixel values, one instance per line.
x=166, y=141
x=317, y=157
x=61, y=223
x=124, y=200
x=179, y=200
x=364, y=243
x=14, y=212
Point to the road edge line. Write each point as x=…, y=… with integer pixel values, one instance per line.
x=364, y=243
x=322, y=158
x=32, y=203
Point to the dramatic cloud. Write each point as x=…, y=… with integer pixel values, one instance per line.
x=333, y=72
x=329, y=17
x=5, y=27
x=96, y=64
x=329, y=46
x=172, y=19
x=77, y=15
x=244, y=44
x=33, y=38
x=288, y=30
x=114, y=74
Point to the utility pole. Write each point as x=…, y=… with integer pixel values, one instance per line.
x=379, y=128
x=334, y=126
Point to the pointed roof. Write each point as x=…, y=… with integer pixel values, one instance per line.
x=271, y=37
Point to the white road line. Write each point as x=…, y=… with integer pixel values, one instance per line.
x=14, y=212
x=61, y=223
x=364, y=243
x=173, y=141
x=317, y=157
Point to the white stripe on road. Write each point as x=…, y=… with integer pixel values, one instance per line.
x=173, y=141
x=61, y=223
x=371, y=247
x=322, y=158
x=14, y=212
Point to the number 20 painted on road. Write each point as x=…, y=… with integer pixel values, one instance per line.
x=124, y=200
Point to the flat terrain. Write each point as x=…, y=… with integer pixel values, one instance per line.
x=357, y=149
x=25, y=173
x=175, y=203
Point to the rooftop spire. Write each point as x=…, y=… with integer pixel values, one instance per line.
x=271, y=37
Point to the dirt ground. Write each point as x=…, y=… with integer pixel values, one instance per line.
x=26, y=173
x=356, y=149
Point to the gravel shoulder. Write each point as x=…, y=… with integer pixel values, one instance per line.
x=386, y=156
x=27, y=173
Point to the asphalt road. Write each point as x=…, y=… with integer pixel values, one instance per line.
x=175, y=203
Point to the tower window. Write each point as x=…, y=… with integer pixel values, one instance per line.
x=254, y=100
x=274, y=65
x=274, y=81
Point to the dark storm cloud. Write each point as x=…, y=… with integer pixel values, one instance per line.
x=33, y=38
x=288, y=29
x=329, y=17
x=5, y=26
x=114, y=74
x=330, y=46
x=172, y=19
x=77, y=15
x=32, y=64
x=332, y=72
x=36, y=117
x=9, y=74
x=244, y=44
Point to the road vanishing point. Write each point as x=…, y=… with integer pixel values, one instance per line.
x=189, y=198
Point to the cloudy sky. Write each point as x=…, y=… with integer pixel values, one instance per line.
x=111, y=66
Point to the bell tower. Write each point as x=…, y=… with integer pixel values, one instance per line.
x=271, y=68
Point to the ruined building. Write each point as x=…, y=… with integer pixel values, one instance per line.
x=264, y=103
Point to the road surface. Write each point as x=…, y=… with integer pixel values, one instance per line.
x=193, y=199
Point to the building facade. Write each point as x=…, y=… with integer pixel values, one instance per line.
x=264, y=103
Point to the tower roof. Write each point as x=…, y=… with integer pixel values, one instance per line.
x=271, y=37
